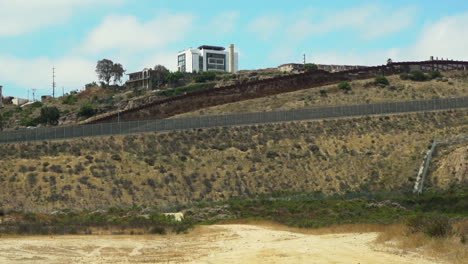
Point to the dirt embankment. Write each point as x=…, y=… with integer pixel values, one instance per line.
x=208, y=244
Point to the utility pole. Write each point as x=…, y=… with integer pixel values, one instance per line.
x=34, y=94
x=28, y=95
x=63, y=92
x=304, y=59
x=53, y=82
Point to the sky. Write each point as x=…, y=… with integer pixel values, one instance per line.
x=72, y=35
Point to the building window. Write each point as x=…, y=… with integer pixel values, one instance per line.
x=216, y=62
x=181, y=63
x=200, y=63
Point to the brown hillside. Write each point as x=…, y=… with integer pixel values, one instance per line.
x=455, y=84
x=355, y=154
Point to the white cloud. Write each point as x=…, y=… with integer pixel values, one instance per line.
x=265, y=26
x=18, y=17
x=445, y=38
x=128, y=34
x=72, y=72
x=167, y=58
x=369, y=21
x=223, y=23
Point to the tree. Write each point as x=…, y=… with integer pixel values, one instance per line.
x=49, y=115
x=174, y=76
x=117, y=72
x=159, y=75
x=104, y=69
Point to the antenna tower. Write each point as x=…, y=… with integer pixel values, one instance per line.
x=53, y=82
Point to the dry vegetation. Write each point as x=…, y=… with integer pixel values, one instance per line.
x=452, y=248
x=330, y=156
x=363, y=91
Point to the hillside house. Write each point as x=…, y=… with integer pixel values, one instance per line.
x=208, y=58
x=145, y=79
x=19, y=101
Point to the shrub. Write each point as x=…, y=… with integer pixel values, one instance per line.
x=32, y=179
x=87, y=110
x=345, y=86
x=157, y=230
x=186, y=89
x=381, y=80
x=438, y=226
x=435, y=74
x=49, y=115
x=310, y=67
x=432, y=226
x=404, y=76
x=27, y=122
x=36, y=105
x=205, y=76
x=70, y=99
x=174, y=76
x=116, y=157
x=418, y=76
x=323, y=93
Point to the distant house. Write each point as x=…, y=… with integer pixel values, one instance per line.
x=298, y=67
x=146, y=79
x=19, y=101
x=208, y=58
x=291, y=67
x=45, y=97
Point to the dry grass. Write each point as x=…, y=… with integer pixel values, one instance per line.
x=362, y=93
x=450, y=249
x=333, y=229
x=330, y=156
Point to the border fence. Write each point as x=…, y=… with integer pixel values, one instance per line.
x=142, y=126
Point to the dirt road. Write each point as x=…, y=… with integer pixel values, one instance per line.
x=244, y=244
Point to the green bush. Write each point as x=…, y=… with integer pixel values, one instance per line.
x=345, y=86
x=28, y=122
x=435, y=74
x=70, y=99
x=36, y=104
x=205, y=76
x=174, y=76
x=49, y=115
x=87, y=110
x=418, y=76
x=381, y=80
x=184, y=89
x=310, y=67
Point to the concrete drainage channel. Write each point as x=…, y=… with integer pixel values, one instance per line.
x=424, y=168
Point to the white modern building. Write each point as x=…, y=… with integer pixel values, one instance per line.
x=208, y=58
x=19, y=101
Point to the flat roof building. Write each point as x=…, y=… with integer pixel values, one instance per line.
x=208, y=58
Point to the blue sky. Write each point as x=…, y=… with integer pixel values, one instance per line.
x=36, y=35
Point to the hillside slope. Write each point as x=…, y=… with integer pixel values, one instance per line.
x=455, y=84
x=355, y=154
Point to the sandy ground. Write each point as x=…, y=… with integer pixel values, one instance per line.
x=207, y=244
